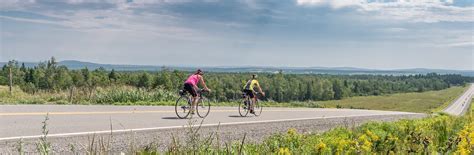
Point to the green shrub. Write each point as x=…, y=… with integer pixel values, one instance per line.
x=125, y=95
x=440, y=134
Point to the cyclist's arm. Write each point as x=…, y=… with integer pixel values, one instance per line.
x=201, y=79
x=259, y=88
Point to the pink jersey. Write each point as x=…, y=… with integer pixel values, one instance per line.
x=193, y=79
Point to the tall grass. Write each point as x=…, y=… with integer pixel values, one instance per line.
x=43, y=145
x=109, y=95
x=130, y=95
x=440, y=134
x=426, y=102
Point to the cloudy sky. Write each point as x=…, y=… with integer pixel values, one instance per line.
x=381, y=34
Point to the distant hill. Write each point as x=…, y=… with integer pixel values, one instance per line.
x=73, y=64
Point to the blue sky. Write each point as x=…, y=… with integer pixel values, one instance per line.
x=380, y=34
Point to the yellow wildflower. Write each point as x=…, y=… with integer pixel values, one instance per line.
x=372, y=136
x=467, y=137
x=284, y=151
x=366, y=145
x=320, y=146
x=292, y=131
x=341, y=145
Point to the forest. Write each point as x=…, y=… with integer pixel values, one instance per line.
x=88, y=84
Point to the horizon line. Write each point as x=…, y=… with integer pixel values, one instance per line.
x=253, y=66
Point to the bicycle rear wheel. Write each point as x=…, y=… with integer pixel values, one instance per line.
x=183, y=107
x=203, y=107
x=257, y=108
x=244, y=107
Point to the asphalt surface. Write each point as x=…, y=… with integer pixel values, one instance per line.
x=25, y=121
x=461, y=104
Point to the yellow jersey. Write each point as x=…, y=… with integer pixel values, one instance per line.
x=251, y=84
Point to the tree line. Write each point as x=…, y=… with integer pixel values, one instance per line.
x=50, y=77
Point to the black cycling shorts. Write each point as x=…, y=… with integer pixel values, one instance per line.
x=249, y=93
x=190, y=88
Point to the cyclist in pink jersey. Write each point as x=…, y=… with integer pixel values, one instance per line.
x=191, y=86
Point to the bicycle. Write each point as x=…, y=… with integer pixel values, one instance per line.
x=184, y=103
x=244, y=106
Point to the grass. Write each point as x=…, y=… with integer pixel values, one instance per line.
x=433, y=135
x=437, y=134
x=425, y=102
x=43, y=146
x=19, y=96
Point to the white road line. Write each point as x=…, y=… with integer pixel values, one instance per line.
x=203, y=125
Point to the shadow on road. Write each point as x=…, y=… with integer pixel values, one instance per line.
x=236, y=116
x=170, y=118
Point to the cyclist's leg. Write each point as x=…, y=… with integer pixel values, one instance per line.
x=195, y=96
x=254, y=99
x=194, y=103
x=250, y=95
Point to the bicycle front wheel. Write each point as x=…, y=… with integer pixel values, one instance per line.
x=257, y=108
x=183, y=107
x=203, y=107
x=244, y=107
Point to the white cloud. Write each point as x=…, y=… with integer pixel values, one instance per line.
x=393, y=29
x=346, y=3
x=452, y=38
x=16, y=4
x=333, y=3
x=126, y=1
x=38, y=21
x=462, y=44
x=116, y=21
x=414, y=10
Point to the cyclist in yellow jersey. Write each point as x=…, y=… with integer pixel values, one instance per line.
x=249, y=89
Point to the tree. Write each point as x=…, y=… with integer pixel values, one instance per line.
x=113, y=76
x=29, y=88
x=52, y=63
x=328, y=92
x=77, y=81
x=23, y=68
x=48, y=76
x=62, y=78
x=144, y=81
x=163, y=80
x=337, y=87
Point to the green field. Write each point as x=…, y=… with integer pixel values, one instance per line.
x=412, y=102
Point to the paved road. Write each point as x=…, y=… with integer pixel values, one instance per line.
x=461, y=104
x=25, y=120
x=74, y=124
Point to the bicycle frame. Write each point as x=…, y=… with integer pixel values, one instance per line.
x=248, y=102
x=186, y=107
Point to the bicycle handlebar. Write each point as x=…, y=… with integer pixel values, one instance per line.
x=204, y=90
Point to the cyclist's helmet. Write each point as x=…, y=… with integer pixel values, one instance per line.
x=200, y=72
